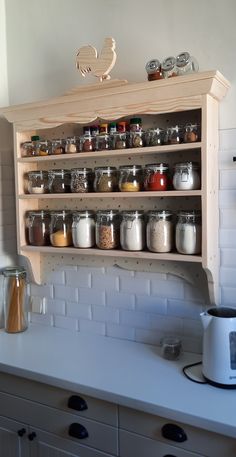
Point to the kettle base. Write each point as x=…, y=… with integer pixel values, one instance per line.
x=218, y=384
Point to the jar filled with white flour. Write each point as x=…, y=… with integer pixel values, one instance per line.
x=83, y=229
x=188, y=232
x=132, y=231
x=160, y=231
x=186, y=176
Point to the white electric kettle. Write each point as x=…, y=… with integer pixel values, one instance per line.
x=219, y=346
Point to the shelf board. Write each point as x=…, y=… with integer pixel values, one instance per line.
x=97, y=195
x=113, y=253
x=117, y=152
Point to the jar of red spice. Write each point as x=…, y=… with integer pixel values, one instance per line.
x=153, y=69
x=156, y=176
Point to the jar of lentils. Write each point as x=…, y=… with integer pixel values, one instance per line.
x=188, y=232
x=83, y=229
x=59, y=181
x=60, y=228
x=105, y=179
x=81, y=180
x=156, y=176
x=38, y=228
x=160, y=231
x=37, y=182
x=131, y=178
x=107, y=230
x=132, y=231
x=186, y=176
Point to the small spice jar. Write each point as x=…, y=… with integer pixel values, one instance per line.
x=153, y=69
x=186, y=176
x=171, y=347
x=174, y=135
x=188, y=232
x=132, y=231
x=131, y=178
x=186, y=63
x=15, y=299
x=81, y=180
x=135, y=135
x=60, y=228
x=105, y=179
x=103, y=128
x=58, y=147
x=37, y=182
x=44, y=148
x=59, y=181
x=169, y=67
x=101, y=142
x=83, y=229
x=156, y=176
x=190, y=133
x=107, y=229
x=72, y=145
x=118, y=141
x=160, y=231
x=39, y=228
x=35, y=145
x=86, y=143
x=154, y=137
x=27, y=149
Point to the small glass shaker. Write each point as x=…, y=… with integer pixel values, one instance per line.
x=15, y=297
x=171, y=347
x=186, y=63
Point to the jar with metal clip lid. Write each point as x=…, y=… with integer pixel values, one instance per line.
x=60, y=228
x=154, y=137
x=105, y=179
x=107, y=229
x=15, y=299
x=132, y=231
x=169, y=67
x=83, y=229
x=37, y=182
x=188, y=232
x=59, y=181
x=156, y=176
x=58, y=146
x=131, y=178
x=186, y=63
x=44, y=147
x=191, y=133
x=39, y=228
x=72, y=145
x=160, y=231
x=153, y=69
x=81, y=180
x=186, y=176
x=174, y=135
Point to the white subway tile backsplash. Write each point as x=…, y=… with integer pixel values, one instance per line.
x=55, y=306
x=167, y=289
x=93, y=327
x=227, y=198
x=135, y=286
x=104, y=281
x=135, y=319
x=193, y=293
x=228, y=276
x=153, y=304
x=119, y=331
x=228, y=296
x=228, y=179
x=228, y=218
x=42, y=291
x=66, y=322
x=228, y=238
x=65, y=292
x=105, y=314
x=192, y=328
x=92, y=296
x=74, y=309
x=228, y=257
x=148, y=336
x=185, y=309
x=57, y=277
x=227, y=139
x=118, y=271
x=120, y=300
x=166, y=324
x=41, y=319
x=78, y=278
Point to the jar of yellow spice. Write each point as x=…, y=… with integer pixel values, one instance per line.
x=61, y=228
x=131, y=178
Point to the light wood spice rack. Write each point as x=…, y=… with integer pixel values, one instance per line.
x=163, y=101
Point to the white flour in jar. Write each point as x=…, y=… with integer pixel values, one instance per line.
x=160, y=235
x=132, y=235
x=188, y=238
x=83, y=232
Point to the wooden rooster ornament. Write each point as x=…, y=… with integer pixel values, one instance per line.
x=87, y=60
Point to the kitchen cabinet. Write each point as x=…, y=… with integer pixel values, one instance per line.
x=187, y=98
x=11, y=442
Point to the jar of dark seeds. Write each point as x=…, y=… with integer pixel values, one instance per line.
x=81, y=180
x=59, y=181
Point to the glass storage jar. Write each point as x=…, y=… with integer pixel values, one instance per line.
x=101, y=142
x=35, y=145
x=153, y=69
x=160, y=231
x=72, y=145
x=27, y=149
x=60, y=228
x=37, y=182
x=135, y=134
x=132, y=231
x=44, y=148
x=131, y=178
x=39, y=228
x=174, y=135
x=83, y=229
x=156, y=176
x=191, y=133
x=59, y=181
x=105, y=179
x=188, y=232
x=169, y=67
x=107, y=229
x=186, y=176
x=58, y=146
x=87, y=143
x=15, y=299
x=154, y=137
x=118, y=140
x=186, y=63
x=81, y=180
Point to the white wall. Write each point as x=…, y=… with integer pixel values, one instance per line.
x=42, y=40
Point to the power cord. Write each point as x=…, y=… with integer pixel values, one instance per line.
x=188, y=376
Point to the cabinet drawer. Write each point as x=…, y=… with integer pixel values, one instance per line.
x=208, y=443
x=58, y=398
x=133, y=445
x=100, y=436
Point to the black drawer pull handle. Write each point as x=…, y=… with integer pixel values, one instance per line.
x=21, y=432
x=174, y=433
x=78, y=403
x=31, y=436
x=169, y=455
x=78, y=431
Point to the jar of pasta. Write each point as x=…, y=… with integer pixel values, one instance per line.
x=188, y=232
x=160, y=231
x=132, y=231
x=131, y=178
x=39, y=228
x=81, y=180
x=107, y=229
x=105, y=179
x=61, y=228
x=156, y=176
x=59, y=181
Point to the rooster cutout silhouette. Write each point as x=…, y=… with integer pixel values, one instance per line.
x=88, y=60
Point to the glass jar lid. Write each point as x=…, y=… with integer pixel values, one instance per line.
x=130, y=168
x=57, y=141
x=135, y=214
x=37, y=174
x=85, y=214
x=190, y=215
x=153, y=66
x=160, y=214
x=81, y=171
x=190, y=127
x=110, y=213
x=14, y=271
x=72, y=139
x=155, y=130
x=157, y=166
x=188, y=165
x=182, y=59
x=61, y=172
x=168, y=63
x=39, y=213
x=104, y=169
x=61, y=213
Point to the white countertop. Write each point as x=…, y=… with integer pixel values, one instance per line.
x=124, y=372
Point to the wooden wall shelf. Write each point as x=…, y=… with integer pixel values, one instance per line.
x=173, y=98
